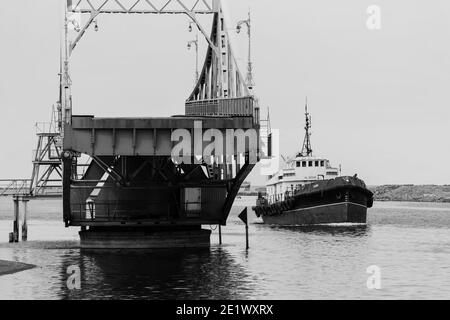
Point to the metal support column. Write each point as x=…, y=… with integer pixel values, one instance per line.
x=16, y=219
x=24, y=223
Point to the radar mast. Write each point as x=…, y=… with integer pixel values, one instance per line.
x=307, y=149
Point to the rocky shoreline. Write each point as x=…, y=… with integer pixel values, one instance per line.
x=412, y=193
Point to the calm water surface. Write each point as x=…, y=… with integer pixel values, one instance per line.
x=410, y=242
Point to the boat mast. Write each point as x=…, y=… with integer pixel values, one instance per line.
x=307, y=149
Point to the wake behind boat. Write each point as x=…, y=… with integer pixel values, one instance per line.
x=310, y=191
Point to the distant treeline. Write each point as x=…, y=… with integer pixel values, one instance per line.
x=416, y=193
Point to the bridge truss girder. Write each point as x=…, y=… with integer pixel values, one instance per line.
x=220, y=78
x=144, y=6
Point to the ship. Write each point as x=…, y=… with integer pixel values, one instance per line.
x=308, y=190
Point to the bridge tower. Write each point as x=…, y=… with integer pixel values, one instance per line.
x=46, y=177
x=153, y=182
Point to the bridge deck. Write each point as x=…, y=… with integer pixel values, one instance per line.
x=139, y=136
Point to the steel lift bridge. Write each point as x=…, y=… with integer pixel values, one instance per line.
x=139, y=188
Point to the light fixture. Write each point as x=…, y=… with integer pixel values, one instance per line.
x=95, y=26
x=75, y=25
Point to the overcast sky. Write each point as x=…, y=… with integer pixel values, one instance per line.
x=380, y=99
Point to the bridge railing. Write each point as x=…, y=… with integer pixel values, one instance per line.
x=244, y=106
x=51, y=153
x=14, y=187
x=46, y=128
x=93, y=211
x=114, y=211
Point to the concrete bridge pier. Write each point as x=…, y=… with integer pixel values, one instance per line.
x=25, y=217
x=15, y=233
x=144, y=238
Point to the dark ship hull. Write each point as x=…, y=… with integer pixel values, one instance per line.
x=341, y=200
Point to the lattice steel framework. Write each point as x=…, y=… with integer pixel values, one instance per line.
x=220, y=77
x=221, y=92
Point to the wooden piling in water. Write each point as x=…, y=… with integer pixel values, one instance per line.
x=24, y=223
x=246, y=237
x=16, y=219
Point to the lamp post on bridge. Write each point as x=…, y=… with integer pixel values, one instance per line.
x=247, y=22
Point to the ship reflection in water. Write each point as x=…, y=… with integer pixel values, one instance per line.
x=346, y=230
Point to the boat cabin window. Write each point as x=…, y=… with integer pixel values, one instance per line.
x=304, y=164
x=322, y=163
x=298, y=164
x=289, y=174
x=310, y=164
x=316, y=163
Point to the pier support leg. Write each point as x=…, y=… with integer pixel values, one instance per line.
x=220, y=234
x=16, y=220
x=24, y=223
x=144, y=238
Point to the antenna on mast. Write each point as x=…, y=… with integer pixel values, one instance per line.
x=60, y=93
x=307, y=149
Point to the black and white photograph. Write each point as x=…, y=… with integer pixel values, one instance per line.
x=224, y=155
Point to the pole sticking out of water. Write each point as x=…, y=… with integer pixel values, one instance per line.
x=16, y=219
x=246, y=237
x=244, y=218
x=24, y=224
x=220, y=234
